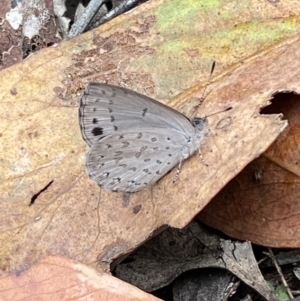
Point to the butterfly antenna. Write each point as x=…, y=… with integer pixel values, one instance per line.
x=227, y=109
x=205, y=88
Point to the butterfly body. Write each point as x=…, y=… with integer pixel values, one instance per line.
x=134, y=140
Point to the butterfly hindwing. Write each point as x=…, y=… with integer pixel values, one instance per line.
x=131, y=160
x=109, y=110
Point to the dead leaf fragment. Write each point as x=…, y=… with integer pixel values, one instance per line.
x=160, y=260
x=205, y=286
x=26, y=27
x=265, y=195
x=57, y=278
x=269, y=203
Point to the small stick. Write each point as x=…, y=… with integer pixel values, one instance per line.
x=278, y=268
x=121, y=8
x=81, y=24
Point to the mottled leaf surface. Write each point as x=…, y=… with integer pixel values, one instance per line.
x=163, y=49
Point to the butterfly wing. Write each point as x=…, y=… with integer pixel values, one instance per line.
x=109, y=110
x=131, y=160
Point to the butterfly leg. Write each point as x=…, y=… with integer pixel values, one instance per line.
x=178, y=170
x=201, y=158
x=126, y=198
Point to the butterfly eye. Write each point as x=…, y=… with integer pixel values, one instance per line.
x=199, y=123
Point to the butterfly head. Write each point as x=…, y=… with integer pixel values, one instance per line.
x=199, y=123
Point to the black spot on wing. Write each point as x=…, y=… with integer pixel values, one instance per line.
x=144, y=112
x=153, y=139
x=97, y=131
x=112, y=118
x=115, y=127
x=95, y=121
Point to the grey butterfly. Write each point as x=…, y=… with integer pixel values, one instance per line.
x=134, y=140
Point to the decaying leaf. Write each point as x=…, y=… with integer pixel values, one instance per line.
x=160, y=260
x=58, y=278
x=197, y=286
x=26, y=27
x=265, y=195
x=42, y=152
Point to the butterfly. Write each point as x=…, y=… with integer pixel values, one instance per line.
x=134, y=140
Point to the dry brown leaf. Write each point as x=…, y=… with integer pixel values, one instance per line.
x=265, y=195
x=162, y=259
x=57, y=278
x=285, y=151
x=41, y=145
x=10, y=53
x=26, y=27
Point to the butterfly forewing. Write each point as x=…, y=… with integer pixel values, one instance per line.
x=107, y=110
x=132, y=160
